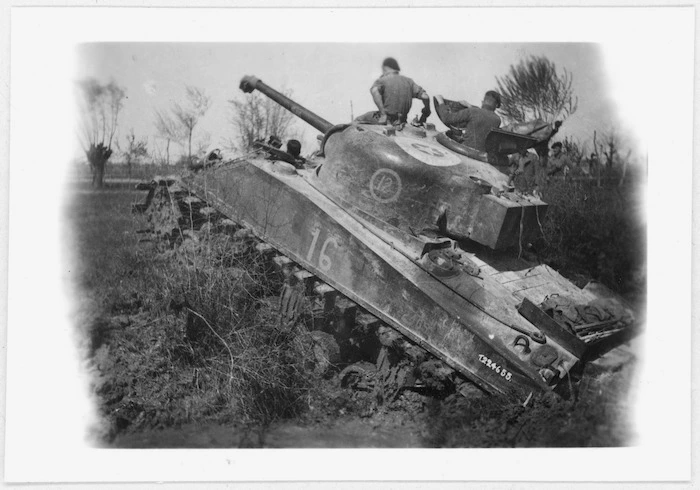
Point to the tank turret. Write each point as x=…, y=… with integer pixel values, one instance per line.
x=411, y=180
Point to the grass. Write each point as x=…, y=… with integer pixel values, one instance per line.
x=181, y=336
x=595, y=233
x=120, y=171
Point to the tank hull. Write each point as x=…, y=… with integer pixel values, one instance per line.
x=284, y=209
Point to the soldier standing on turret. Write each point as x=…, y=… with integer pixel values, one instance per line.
x=393, y=94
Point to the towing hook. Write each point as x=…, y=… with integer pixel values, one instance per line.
x=524, y=342
x=535, y=336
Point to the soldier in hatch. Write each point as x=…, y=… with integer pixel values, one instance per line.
x=474, y=122
x=294, y=149
x=523, y=167
x=393, y=94
x=558, y=164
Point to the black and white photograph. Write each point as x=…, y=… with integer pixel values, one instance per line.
x=431, y=272
x=295, y=236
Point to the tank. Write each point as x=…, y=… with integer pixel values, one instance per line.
x=419, y=235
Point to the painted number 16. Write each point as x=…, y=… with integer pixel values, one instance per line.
x=324, y=261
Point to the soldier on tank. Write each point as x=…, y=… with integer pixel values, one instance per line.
x=294, y=149
x=558, y=163
x=523, y=167
x=393, y=94
x=474, y=122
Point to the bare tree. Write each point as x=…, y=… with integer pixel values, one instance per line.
x=189, y=115
x=168, y=129
x=135, y=149
x=534, y=90
x=99, y=115
x=575, y=151
x=257, y=117
x=610, y=148
x=615, y=148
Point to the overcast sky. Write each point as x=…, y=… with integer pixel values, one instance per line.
x=327, y=77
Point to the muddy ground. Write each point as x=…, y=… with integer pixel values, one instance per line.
x=158, y=384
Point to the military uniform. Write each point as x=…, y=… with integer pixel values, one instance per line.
x=524, y=170
x=475, y=123
x=397, y=93
x=557, y=165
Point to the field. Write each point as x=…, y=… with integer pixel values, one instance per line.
x=186, y=350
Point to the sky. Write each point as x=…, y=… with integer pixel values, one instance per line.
x=328, y=78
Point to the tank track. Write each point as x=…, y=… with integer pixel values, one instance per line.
x=370, y=354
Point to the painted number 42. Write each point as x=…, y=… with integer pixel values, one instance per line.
x=324, y=260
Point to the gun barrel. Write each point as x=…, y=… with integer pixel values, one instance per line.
x=249, y=83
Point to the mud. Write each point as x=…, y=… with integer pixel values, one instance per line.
x=342, y=433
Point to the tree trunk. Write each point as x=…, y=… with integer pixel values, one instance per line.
x=167, y=152
x=622, y=176
x=625, y=162
x=98, y=155
x=189, y=148
x=595, y=150
x=98, y=175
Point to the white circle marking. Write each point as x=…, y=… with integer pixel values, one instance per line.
x=385, y=185
x=427, y=152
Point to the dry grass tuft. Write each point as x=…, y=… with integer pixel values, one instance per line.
x=188, y=334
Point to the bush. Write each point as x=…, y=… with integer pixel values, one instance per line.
x=594, y=233
x=232, y=329
x=186, y=334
